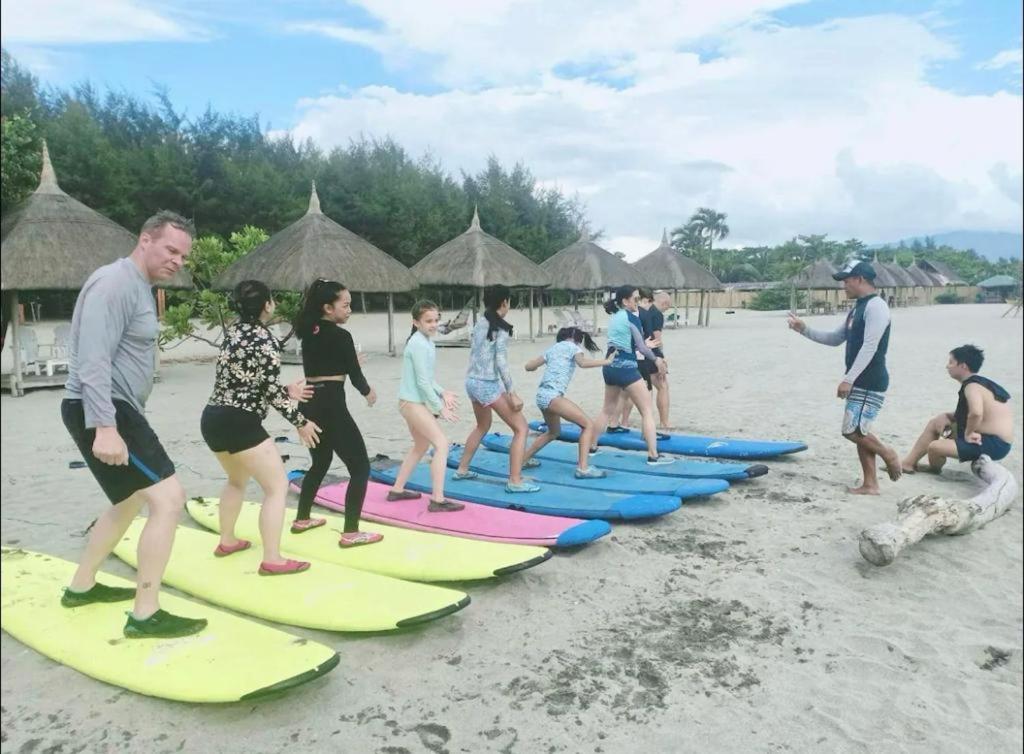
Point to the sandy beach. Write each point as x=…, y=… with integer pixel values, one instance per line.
x=748, y=622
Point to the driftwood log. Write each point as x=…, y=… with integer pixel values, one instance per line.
x=917, y=517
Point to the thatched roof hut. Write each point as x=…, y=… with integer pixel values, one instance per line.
x=585, y=266
x=898, y=273
x=477, y=259
x=921, y=278
x=315, y=246
x=54, y=242
x=816, y=276
x=672, y=270
x=941, y=271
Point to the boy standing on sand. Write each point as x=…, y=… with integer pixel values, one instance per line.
x=866, y=335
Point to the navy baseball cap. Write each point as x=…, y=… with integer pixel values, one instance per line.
x=856, y=268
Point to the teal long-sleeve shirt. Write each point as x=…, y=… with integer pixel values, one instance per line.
x=418, y=385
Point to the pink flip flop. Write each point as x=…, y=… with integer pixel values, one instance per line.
x=280, y=569
x=223, y=552
x=299, y=526
x=357, y=538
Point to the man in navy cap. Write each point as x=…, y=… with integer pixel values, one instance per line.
x=866, y=335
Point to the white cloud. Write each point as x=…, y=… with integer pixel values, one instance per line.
x=830, y=129
x=1013, y=59
x=59, y=22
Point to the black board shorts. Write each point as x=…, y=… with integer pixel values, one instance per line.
x=148, y=462
x=228, y=429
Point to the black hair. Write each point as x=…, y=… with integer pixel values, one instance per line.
x=647, y=293
x=249, y=298
x=494, y=297
x=970, y=356
x=623, y=292
x=418, y=310
x=318, y=295
x=579, y=337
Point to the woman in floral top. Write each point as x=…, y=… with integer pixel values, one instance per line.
x=247, y=382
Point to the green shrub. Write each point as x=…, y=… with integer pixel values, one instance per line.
x=775, y=299
x=948, y=298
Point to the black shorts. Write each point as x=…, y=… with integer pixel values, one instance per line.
x=148, y=462
x=647, y=368
x=230, y=429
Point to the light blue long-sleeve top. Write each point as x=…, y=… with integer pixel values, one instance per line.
x=625, y=336
x=418, y=385
x=488, y=359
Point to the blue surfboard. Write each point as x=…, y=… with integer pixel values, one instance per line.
x=495, y=464
x=552, y=500
x=636, y=463
x=685, y=445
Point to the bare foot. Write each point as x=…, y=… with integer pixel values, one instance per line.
x=908, y=468
x=862, y=490
x=892, y=464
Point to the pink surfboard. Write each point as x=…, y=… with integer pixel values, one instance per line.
x=475, y=521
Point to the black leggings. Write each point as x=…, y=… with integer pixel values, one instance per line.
x=338, y=434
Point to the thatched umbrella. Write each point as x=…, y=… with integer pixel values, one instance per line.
x=54, y=242
x=584, y=266
x=671, y=269
x=315, y=246
x=920, y=278
x=817, y=276
x=475, y=259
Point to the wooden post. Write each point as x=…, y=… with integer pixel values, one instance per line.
x=531, y=315
x=16, y=386
x=391, y=324
x=700, y=310
x=687, y=304
x=540, y=325
x=675, y=305
x=596, y=328
x=161, y=303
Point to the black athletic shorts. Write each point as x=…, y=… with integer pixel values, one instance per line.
x=230, y=429
x=647, y=368
x=148, y=462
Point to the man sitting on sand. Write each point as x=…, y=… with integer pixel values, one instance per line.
x=982, y=422
x=866, y=334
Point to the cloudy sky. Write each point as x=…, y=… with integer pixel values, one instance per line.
x=875, y=119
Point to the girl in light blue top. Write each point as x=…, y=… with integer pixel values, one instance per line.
x=623, y=375
x=561, y=360
x=420, y=401
x=489, y=385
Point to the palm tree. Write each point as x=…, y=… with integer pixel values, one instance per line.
x=710, y=226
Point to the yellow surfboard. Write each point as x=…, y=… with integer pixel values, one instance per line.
x=233, y=659
x=327, y=596
x=403, y=553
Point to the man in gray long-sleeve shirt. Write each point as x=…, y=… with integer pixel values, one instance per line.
x=866, y=335
x=113, y=346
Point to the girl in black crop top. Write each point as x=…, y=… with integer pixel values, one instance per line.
x=329, y=359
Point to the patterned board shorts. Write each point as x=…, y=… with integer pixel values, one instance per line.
x=484, y=392
x=545, y=396
x=862, y=407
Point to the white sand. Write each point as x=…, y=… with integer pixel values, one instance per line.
x=747, y=623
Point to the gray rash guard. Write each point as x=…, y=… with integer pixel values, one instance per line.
x=113, y=342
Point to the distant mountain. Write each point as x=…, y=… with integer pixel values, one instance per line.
x=989, y=244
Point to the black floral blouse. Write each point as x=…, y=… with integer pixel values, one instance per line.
x=249, y=373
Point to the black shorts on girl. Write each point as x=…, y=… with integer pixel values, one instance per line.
x=148, y=462
x=227, y=429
